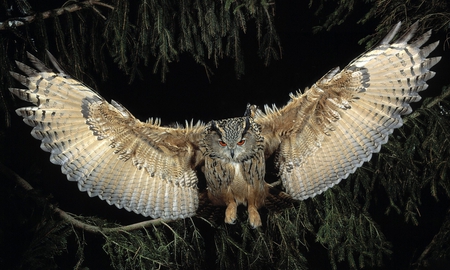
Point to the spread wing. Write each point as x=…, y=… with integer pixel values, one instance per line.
x=334, y=127
x=141, y=167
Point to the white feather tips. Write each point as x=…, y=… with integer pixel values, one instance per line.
x=104, y=148
x=355, y=123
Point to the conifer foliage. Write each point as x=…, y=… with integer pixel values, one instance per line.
x=364, y=222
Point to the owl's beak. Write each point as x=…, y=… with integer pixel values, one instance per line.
x=232, y=152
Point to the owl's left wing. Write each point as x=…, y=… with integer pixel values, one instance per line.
x=334, y=127
x=142, y=167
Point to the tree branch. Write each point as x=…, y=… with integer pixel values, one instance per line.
x=445, y=94
x=71, y=219
x=440, y=98
x=421, y=262
x=20, y=21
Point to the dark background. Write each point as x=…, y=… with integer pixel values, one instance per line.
x=188, y=93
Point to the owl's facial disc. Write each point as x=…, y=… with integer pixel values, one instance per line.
x=232, y=147
x=240, y=143
x=233, y=137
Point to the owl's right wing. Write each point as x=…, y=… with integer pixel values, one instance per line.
x=334, y=127
x=142, y=167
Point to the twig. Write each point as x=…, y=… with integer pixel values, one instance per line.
x=96, y=229
x=445, y=94
x=420, y=263
x=15, y=177
x=20, y=21
x=73, y=221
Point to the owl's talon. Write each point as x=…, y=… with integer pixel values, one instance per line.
x=231, y=152
x=231, y=213
x=231, y=222
x=253, y=217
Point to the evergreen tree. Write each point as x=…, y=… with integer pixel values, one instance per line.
x=394, y=211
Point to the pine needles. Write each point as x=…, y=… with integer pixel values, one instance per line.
x=340, y=223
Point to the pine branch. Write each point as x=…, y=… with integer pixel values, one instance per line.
x=72, y=220
x=445, y=94
x=17, y=22
x=440, y=98
x=435, y=242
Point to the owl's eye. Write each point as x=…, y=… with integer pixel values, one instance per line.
x=241, y=142
x=222, y=143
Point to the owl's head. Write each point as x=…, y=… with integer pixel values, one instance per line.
x=236, y=139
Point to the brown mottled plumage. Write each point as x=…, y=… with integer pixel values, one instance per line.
x=319, y=137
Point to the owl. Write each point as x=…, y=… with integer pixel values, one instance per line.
x=318, y=138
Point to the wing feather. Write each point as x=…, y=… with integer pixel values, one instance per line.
x=325, y=134
x=142, y=167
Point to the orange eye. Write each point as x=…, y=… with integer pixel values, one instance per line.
x=222, y=143
x=241, y=142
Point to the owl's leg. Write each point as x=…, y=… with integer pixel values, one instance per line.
x=231, y=212
x=255, y=200
x=253, y=216
x=225, y=197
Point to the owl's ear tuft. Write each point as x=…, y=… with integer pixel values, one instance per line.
x=247, y=125
x=213, y=125
x=251, y=110
x=215, y=128
x=249, y=113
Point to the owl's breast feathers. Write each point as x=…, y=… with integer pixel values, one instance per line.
x=320, y=137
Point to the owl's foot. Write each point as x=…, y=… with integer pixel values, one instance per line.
x=253, y=217
x=231, y=213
